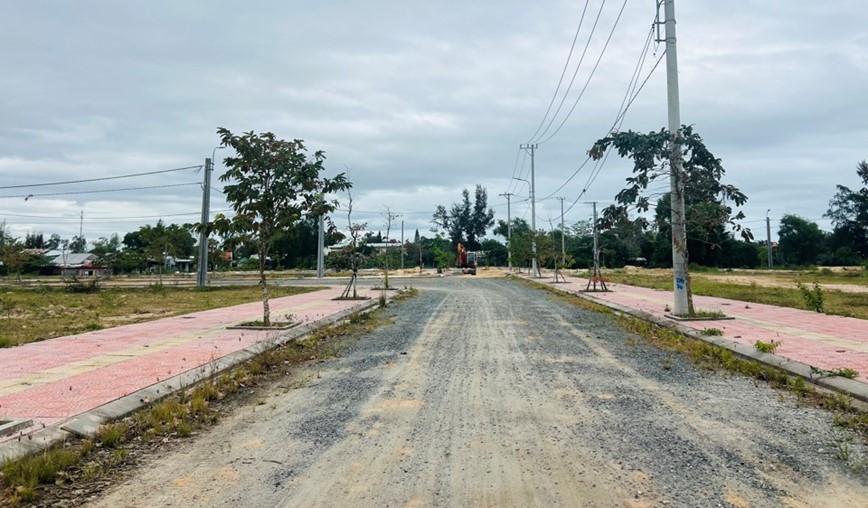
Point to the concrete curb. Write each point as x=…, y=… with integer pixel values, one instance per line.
x=850, y=387
x=86, y=424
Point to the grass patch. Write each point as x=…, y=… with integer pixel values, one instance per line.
x=834, y=302
x=41, y=312
x=715, y=332
x=175, y=417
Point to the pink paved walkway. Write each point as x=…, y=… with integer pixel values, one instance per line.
x=823, y=341
x=57, y=379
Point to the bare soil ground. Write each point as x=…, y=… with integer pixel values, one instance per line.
x=487, y=393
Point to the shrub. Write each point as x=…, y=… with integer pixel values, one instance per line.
x=814, y=298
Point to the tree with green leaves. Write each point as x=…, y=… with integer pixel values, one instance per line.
x=800, y=241
x=466, y=222
x=701, y=177
x=849, y=213
x=271, y=184
x=12, y=255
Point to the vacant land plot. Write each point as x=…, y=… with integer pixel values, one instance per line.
x=846, y=293
x=39, y=313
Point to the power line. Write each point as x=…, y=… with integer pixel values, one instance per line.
x=591, y=76
x=100, y=179
x=563, y=72
x=575, y=73
x=622, y=109
x=28, y=196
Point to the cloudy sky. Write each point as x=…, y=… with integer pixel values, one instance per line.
x=417, y=100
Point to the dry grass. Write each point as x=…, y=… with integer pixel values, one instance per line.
x=41, y=312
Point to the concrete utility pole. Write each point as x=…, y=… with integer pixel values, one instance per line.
x=563, y=243
x=769, y=237
x=508, y=230
x=202, y=271
x=596, y=275
x=402, y=245
x=320, y=251
x=534, y=266
x=681, y=282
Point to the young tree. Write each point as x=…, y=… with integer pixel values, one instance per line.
x=351, y=251
x=702, y=171
x=270, y=184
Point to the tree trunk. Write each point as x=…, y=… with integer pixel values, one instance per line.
x=266, y=311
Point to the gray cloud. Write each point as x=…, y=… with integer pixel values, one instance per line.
x=418, y=99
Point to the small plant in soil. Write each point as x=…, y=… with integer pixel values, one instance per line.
x=712, y=331
x=767, y=347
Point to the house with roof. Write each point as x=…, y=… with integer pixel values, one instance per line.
x=78, y=265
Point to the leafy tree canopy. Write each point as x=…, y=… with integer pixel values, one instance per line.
x=466, y=222
x=702, y=174
x=849, y=213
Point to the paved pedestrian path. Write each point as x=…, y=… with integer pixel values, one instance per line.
x=54, y=380
x=823, y=341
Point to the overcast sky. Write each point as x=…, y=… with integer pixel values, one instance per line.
x=416, y=99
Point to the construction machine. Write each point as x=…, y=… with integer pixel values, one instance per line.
x=465, y=260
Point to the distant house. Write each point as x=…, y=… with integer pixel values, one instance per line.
x=78, y=265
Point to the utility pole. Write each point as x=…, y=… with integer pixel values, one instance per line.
x=402, y=245
x=683, y=306
x=320, y=251
x=81, y=227
x=769, y=237
x=563, y=243
x=202, y=272
x=508, y=230
x=596, y=275
x=534, y=266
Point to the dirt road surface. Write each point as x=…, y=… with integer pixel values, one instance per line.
x=488, y=393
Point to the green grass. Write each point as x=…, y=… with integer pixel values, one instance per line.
x=836, y=302
x=41, y=312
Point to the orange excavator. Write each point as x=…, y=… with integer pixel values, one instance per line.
x=465, y=260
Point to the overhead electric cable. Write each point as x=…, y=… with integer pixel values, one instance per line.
x=622, y=109
x=100, y=179
x=563, y=72
x=575, y=73
x=590, y=77
x=28, y=196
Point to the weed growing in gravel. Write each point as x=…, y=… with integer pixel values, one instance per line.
x=767, y=347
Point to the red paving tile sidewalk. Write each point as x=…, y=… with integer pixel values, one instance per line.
x=823, y=341
x=54, y=380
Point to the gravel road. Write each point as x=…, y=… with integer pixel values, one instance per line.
x=488, y=393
